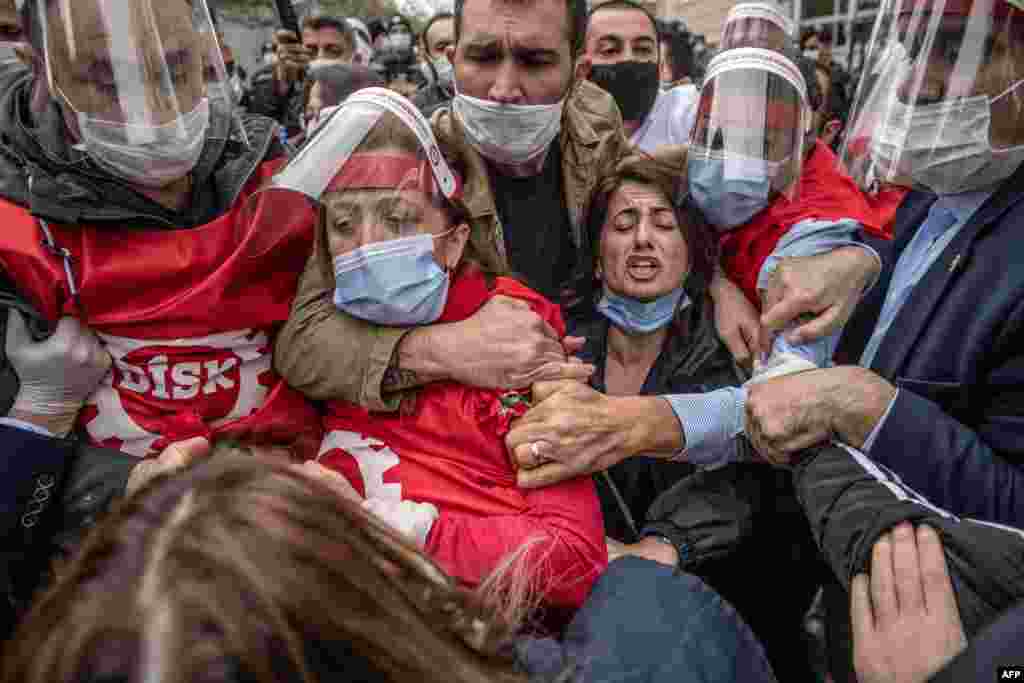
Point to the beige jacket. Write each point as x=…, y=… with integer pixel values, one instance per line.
x=328, y=355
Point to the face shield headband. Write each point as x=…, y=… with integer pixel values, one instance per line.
x=760, y=10
x=778, y=114
x=340, y=134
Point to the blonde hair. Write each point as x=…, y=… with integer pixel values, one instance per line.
x=244, y=568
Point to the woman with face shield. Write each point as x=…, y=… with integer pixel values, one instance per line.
x=768, y=187
x=397, y=239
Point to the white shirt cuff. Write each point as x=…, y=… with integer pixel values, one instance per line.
x=27, y=426
x=711, y=423
x=873, y=436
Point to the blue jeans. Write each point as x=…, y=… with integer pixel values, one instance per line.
x=645, y=624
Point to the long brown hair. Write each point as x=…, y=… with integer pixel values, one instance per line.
x=389, y=132
x=665, y=172
x=246, y=569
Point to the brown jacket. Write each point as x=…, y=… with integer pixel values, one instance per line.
x=329, y=355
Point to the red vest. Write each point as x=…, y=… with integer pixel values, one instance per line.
x=450, y=451
x=825, y=193
x=188, y=317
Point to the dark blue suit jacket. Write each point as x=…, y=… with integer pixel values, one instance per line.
x=956, y=350
x=31, y=471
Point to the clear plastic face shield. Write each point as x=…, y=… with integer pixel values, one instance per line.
x=752, y=121
x=143, y=79
x=371, y=172
x=941, y=106
x=757, y=24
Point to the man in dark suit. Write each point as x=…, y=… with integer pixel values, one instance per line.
x=938, y=395
x=934, y=410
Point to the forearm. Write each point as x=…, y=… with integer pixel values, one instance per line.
x=813, y=237
x=650, y=425
x=328, y=355
x=416, y=361
x=857, y=400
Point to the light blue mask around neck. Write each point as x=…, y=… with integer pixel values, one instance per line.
x=641, y=317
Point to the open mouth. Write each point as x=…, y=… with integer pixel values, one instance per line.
x=642, y=267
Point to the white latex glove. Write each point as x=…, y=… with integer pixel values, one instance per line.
x=56, y=375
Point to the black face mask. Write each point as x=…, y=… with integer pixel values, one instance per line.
x=634, y=85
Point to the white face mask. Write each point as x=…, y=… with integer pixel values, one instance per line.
x=150, y=156
x=324, y=61
x=946, y=147
x=512, y=134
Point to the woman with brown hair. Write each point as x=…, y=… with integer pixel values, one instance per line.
x=395, y=236
x=247, y=569
x=656, y=335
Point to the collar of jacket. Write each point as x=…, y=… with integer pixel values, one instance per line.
x=41, y=171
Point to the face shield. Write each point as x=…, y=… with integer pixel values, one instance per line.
x=142, y=80
x=751, y=123
x=222, y=90
x=371, y=173
x=941, y=107
x=757, y=24
x=374, y=178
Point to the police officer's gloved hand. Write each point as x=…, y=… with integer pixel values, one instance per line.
x=57, y=374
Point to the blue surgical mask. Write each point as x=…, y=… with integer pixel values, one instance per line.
x=640, y=317
x=395, y=282
x=728, y=203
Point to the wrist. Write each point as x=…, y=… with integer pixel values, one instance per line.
x=427, y=351
x=858, y=402
x=650, y=425
x=59, y=425
x=862, y=262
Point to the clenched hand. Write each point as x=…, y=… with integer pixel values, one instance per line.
x=505, y=345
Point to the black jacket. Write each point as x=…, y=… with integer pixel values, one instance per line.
x=693, y=361
x=40, y=171
x=956, y=350
x=851, y=501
